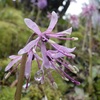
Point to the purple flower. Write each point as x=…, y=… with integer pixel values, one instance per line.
x=74, y=21
x=50, y=58
x=56, y=57
x=28, y=64
x=42, y=4
x=46, y=35
x=49, y=15
x=14, y=60
x=88, y=10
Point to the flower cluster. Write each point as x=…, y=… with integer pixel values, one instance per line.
x=49, y=59
x=74, y=21
x=88, y=10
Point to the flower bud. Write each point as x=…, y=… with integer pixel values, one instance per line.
x=75, y=38
x=7, y=75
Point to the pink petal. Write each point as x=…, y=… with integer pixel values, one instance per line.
x=46, y=62
x=12, y=63
x=29, y=46
x=32, y=25
x=63, y=48
x=14, y=56
x=28, y=65
x=55, y=54
x=63, y=33
x=54, y=19
x=38, y=57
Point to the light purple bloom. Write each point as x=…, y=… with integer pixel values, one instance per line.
x=14, y=60
x=49, y=57
x=74, y=21
x=44, y=36
x=88, y=10
x=42, y=4
x=28, y=64
x=55, y=57
x=49, y=15
x=46, y=62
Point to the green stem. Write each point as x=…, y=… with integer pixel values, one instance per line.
x=85, y=37
x=21, y=74
x=84, y=41
x=38, y=15
x=90, y=60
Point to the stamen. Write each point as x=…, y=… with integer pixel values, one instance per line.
x=66, y=54
x=75, y=38
x=66, y=79
x=55, y=85
x=74, y=81
x=76, y=68
x=7, y=75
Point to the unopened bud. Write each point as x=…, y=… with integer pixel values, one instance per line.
x=76, y=68
x=7, y=75
x=72, y=69
x=34, y=50
x=66, y=79
x=75, y=72
x=75, y=38
x=55, y=85
x=72, y=55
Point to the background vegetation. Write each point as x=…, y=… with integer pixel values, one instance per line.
x=13, y=36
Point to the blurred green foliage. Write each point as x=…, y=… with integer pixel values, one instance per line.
x=13, y=31
x=37, y=92
x=7, y=93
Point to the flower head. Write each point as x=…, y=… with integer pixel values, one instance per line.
x=49, y=58
x=88, y=10
x=74, y=21
x=41, y=4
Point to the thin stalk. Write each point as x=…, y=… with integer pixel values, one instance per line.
x=21, y=74
x=38, y=15
x=90, y=80
x=85, y=36
x=84, y=41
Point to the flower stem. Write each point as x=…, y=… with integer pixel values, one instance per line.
x=84, y=41
x=20, y=78
x=38, y=15
x=90, y=60
x=21, y=73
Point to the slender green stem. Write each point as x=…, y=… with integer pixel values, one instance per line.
x=90, y=80
x=21, y=74
x=38, y=15
x=85, y=37
x=84, y=41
